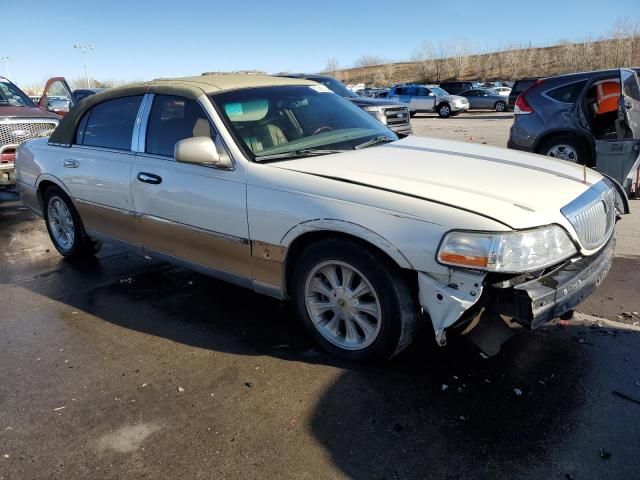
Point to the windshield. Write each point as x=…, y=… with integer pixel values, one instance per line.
x=334, y=85
x=12, y=95
x=284, y=121
x=438, y=91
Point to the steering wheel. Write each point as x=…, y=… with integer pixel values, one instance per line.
x=322, y=128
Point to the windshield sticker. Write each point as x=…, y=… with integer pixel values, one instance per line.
x=320, y=88
x=233, y=109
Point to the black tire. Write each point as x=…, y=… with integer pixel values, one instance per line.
x=500, y=106
x=444, y=110
x=582, y=155
x=82, y=245
x=413, y=114
x=399, y=317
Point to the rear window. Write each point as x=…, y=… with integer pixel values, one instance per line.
x=567, y=93
x=110, y=124
x=521, y=85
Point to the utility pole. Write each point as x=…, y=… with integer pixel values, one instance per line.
x=84, y=49
x=6, y=64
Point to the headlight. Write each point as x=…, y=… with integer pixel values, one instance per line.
x=377, y=113
x=508, y=252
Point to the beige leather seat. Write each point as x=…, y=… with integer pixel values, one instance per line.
x=201, y=128
x=263, y=136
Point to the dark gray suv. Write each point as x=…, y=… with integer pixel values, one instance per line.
x=590, y=118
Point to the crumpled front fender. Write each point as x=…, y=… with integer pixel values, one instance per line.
x=446, y=297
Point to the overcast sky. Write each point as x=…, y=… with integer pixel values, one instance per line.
x=137, y=40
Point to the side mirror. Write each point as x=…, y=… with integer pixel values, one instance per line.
x=198, y=151
x=58, y=106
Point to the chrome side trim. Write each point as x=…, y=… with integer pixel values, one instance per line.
x=106, y=207
x=110, y=239
x=211, y=233
x=140, y=127
x=200, y=268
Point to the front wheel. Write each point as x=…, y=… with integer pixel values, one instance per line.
x=65, y=226
x=500, y=106
x=353, y=303
x=444, y=111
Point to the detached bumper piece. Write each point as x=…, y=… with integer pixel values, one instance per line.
x=7, y=174
x=534, y=303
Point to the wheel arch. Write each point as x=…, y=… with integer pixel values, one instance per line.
x=587, y=141
x=300, y=237
x=45, y=181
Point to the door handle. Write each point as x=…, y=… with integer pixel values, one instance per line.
x=149, y=178
x=71, y=163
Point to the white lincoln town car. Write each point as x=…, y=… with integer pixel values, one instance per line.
x=282, y=186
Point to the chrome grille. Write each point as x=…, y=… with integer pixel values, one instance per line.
x=15, y=132
x=396, y=115
x=593, y=215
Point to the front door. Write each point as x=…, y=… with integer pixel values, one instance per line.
x=190, y=212
x=620, y=157
x=97, y=168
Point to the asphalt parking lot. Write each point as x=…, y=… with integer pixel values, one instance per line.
x=121, y=368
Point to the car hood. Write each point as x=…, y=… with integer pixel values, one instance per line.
x=373, y=102
x=518, y=189
x=24, y=112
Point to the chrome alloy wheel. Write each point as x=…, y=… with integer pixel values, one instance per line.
x=343, y=305
x=445, y=111
x=61, y=223
x=563, y=152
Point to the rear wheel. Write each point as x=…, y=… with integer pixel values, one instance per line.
x=353, y=304
x=566, y=147
x=65, y=226
x=500, y=106
x=444, y=111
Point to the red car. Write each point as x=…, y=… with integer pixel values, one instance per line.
x=20, y=120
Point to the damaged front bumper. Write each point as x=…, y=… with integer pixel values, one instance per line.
x=463, y=300
x=537, y=301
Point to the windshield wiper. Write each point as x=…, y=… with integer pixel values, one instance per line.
x=297, y=154
x=374, y=141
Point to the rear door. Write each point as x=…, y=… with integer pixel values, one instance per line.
x=472, y=96
x=619, y=158
x=485, y=99
x=97, y=168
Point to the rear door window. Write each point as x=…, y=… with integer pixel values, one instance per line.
x=172, y=119
x=567, y=93
x=110, y=124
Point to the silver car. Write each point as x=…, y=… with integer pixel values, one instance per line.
x=485, y=99
x=427, y=99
